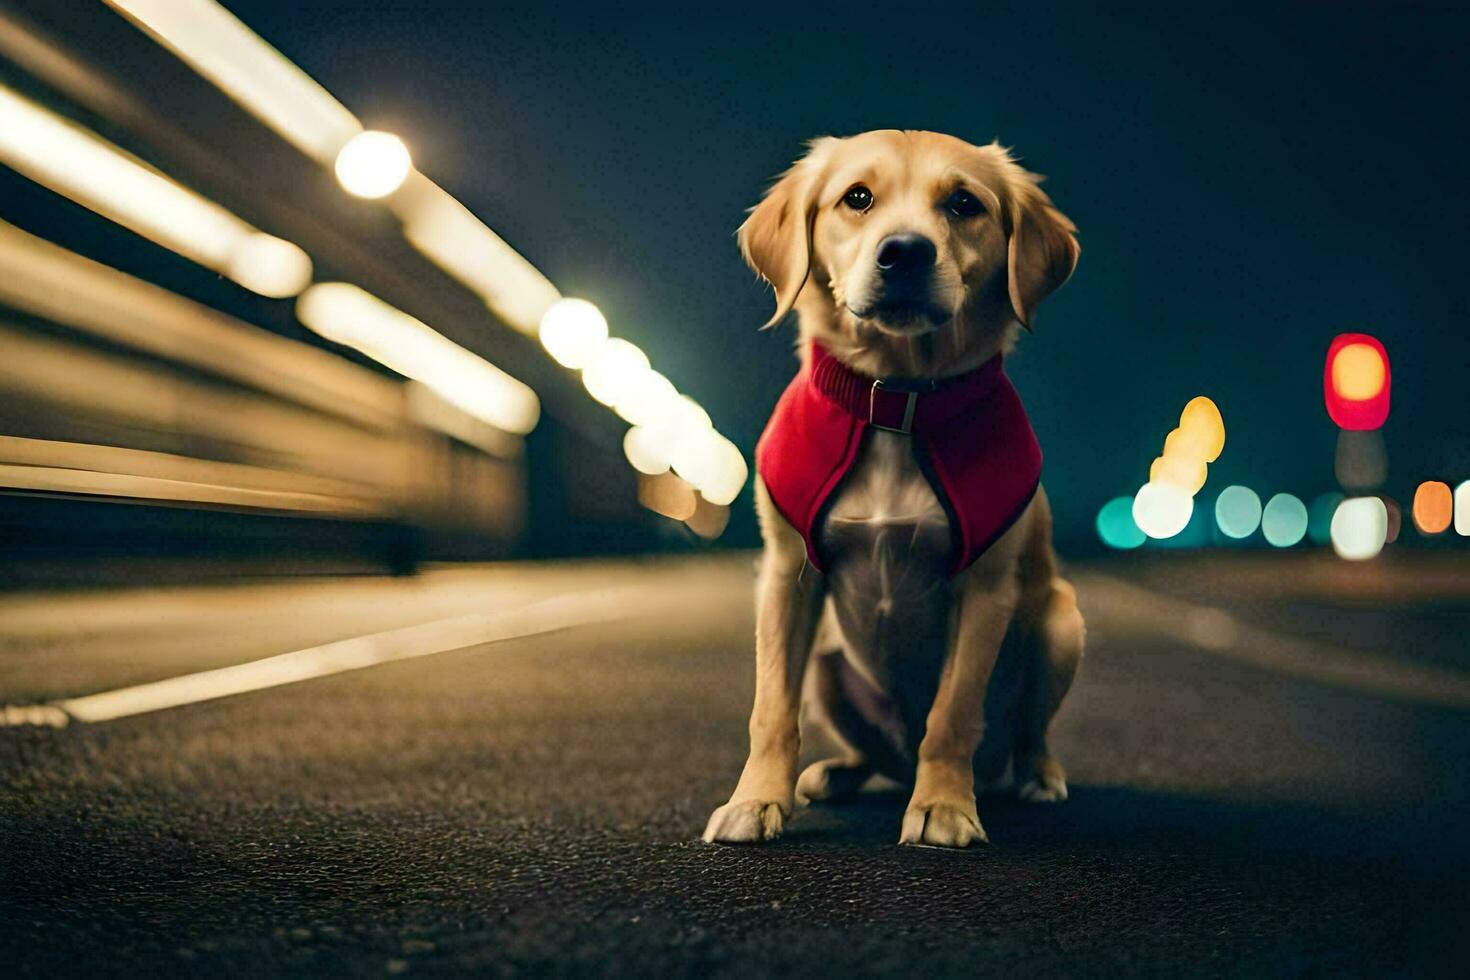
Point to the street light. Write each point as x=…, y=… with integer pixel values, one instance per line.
x=373, y=164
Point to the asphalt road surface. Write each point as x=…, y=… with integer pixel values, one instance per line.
x=1268, y=760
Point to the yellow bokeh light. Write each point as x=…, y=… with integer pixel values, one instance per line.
x=1181, y=471
x=1357, y=372
x=1203, y=429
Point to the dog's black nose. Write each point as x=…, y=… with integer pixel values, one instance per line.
x=905, y=254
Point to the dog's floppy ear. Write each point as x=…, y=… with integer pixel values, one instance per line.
x=776, y=239
x=1042, y=251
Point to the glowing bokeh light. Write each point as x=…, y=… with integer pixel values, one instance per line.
x=1357, y=372
x=1434, y=507
x=615, y=371
x=1115, y=524
x=723, y=485
x=1203, y=427
x=573, y=331
x=1162, y=510
x=1462, y=509
x=1319, y=516
x=644, y=452
x=1185, y=473
x=648, y=401
x=1357, y=382
x=1284, y=520
x=1359, y=528
x=373, y=164
x=1238, y=511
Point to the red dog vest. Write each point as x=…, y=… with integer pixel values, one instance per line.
x=971, y=437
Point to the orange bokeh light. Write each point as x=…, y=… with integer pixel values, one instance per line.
x=1434, y=507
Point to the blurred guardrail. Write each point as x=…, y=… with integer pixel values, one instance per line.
x=159, y=215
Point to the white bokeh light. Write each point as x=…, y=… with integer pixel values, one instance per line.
x=573, y=331
x=1359, y=528
x=1162, y=510
x=616, y=370
x=644, y=452
x=373, y=164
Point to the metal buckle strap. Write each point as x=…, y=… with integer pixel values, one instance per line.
x=908, y=410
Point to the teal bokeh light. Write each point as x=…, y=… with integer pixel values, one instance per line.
x=1115, y=524
x=1319, y=517
x=1238, y=511
x=1285, y=520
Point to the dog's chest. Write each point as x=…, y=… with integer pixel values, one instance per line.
x=886, y=542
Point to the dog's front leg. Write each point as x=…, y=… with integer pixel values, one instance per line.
x=942, y=811
x=788, y=603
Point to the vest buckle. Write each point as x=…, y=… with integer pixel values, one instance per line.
x=907, y=426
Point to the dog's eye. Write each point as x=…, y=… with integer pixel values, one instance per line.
x=963, y=204
x=859, y=198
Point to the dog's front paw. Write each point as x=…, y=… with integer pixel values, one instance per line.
x=744, y=822
x=1046, y=783
x=1044, y=790
x=942, y=825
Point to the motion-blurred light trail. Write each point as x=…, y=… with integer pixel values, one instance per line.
x=270, y=86
x=450, y=236
x=352, y=316
x=406, y=643
x=374, y=164
x=82, y=166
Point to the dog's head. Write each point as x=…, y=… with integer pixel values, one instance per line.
x=894, y=235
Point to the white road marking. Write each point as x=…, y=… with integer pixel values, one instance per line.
x=1217, y=632
x=405, y=643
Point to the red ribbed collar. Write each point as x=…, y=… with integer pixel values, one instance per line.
x=902, y=404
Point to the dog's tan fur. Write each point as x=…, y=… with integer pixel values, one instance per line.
x=971, y=680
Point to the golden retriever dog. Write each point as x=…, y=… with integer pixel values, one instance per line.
x=913, y=260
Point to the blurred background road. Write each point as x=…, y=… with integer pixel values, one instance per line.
x=1264, y=797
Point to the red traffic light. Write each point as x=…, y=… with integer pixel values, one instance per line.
x=1356, y=382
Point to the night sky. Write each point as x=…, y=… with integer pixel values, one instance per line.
x=1246, y=185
